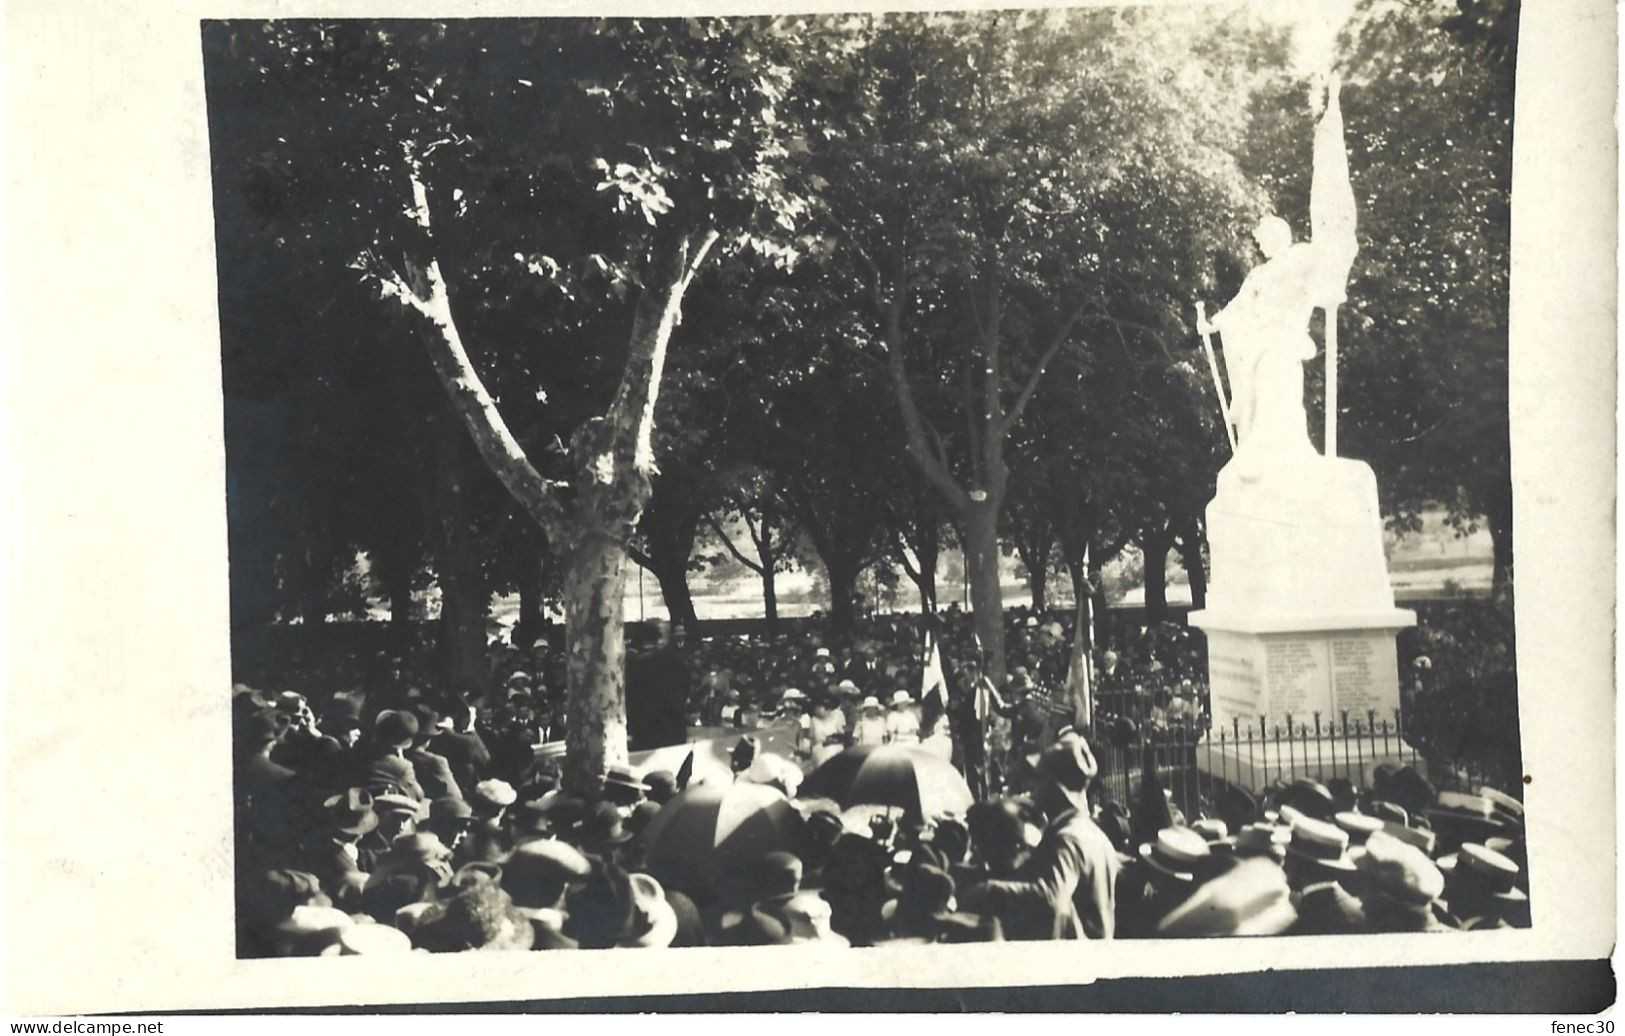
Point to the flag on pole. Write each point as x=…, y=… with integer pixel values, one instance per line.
x=933, y=682
x=1331, y=201
x=1079, y=689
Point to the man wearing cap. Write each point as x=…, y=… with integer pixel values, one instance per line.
x=385, y=761
x=1073, y=872
x=1402, y=887
x=538, y=876
x=1317, y=865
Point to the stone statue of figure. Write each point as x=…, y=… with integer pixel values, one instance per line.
x=1265, y=328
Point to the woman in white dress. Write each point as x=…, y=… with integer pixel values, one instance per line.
x=826, y=729
x=871, y=726
x=903, y=721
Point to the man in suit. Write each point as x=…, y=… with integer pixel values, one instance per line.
x=657, y=686
x=384, y=765
x=431, y=769
x=461, y=746
x=1072, y=875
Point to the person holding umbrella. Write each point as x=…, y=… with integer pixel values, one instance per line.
x=1072, y=875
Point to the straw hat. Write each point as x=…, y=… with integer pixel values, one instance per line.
x=1319, y=842
x=1176, y=852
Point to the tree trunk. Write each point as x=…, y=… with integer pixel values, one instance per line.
x=532, y=620
x=1156, y=547
x=595, y=635
x=398, y=580
x=1097, y=589
x=843, y=592
x=1190, y=556
x=613, y=460
x=313, y=594
x=464, y=598
x=980, y=537
x=1038, y=581
x=679, y=600
x=770, y=596
x=1500, y=527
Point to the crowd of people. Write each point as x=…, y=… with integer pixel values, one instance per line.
x=393, y=815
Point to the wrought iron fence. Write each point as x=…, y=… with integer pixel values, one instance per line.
x=1195, y=761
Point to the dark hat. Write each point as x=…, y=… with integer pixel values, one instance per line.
x=451, y=810
x=660, y=785
x=262, y=726
x=1309, y=797
x=776, y=874
x=538, y=872
x=1236, y=807
x=428, y=718
x=1343, y=793
x=1123, y=732
x=823, y=827
x=245, y=699
x=341, y=713
x=925, y=891
x=642, y=814
x=1411, y=790
x=530, y=820
x=690, y=925
x=395, y=728
x=603, y=826
x=351, y=812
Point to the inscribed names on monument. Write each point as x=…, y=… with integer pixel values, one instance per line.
x=1298, y=682
x=1235, y=680
x=1364, y=677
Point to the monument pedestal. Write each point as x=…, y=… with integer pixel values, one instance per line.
x=1300, y=626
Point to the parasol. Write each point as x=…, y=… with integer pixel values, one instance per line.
x=721, y=826
x=908, y=777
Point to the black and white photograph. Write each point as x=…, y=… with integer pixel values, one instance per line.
x=863, y=480
x=929, y=477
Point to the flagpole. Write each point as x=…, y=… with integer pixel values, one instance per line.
x=1331, y=381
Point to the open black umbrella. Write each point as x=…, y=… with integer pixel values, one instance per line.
x=908, y=777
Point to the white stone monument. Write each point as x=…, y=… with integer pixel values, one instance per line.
x=1300, y=617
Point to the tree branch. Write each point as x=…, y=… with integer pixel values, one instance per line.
x=735, y=551
x=537, y=495
x=934, y=467
x=631, y=415
x=1020, y=405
